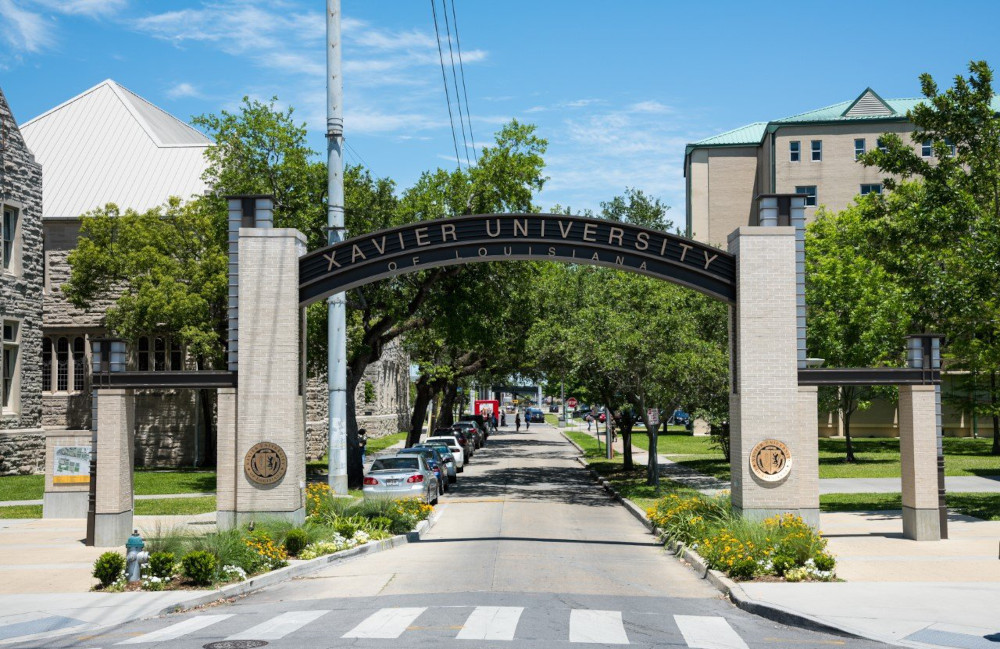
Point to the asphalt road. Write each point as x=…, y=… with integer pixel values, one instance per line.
x=527, y=552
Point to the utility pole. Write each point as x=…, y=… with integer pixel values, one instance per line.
x=562, y=399
x=336, y=368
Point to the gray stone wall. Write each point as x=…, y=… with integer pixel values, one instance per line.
x=21, y=298
x=389, y=413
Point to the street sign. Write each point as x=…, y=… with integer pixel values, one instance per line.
x=571, y=402
x=654, y=416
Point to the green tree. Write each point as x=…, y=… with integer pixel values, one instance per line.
x=941, y=233
x=858, y=313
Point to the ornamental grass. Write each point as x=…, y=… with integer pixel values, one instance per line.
x=783, y=546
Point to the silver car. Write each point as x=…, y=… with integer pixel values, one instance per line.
x=406, y=476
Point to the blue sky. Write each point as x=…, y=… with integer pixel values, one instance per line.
x=617, y=88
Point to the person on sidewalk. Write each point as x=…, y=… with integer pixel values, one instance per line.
x=503, y=418
x=363, y=444
x=517, y=422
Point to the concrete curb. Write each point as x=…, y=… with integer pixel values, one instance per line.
x=720, y=581
x=254, y=584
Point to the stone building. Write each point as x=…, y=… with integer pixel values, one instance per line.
x=22, y=440
x=109, y=145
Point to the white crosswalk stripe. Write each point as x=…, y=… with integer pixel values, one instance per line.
x=280, y=626
x=175, y=631
x=491, y=623
x=385, y=623
x=708, y=632
x=598, y=627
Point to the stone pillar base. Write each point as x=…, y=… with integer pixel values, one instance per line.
x=65, y=504
x=112, y=530
x=810, y=516
x=922, y=524
x=227, y=520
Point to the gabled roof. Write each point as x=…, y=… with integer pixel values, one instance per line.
x=749, y=134
x=109, y=145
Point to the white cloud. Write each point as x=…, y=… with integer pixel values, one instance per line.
x=650, y=107
x=93, y=8
x=183, y=89
x=25, y=31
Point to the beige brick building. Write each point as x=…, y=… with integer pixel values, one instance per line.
x=813, y=153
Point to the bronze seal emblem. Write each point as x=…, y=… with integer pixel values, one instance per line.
x=265, y=463
x=770, y=460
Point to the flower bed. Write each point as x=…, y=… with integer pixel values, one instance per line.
x=779, y=547
x=332, y=525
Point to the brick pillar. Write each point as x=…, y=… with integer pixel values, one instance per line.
x=227, y=465
x=918, y=462
x=115, y=448
x=269, y=397
x=765, y=400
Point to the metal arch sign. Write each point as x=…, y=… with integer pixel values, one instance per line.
x=497, y=237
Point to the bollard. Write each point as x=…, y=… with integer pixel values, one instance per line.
x=135, y=557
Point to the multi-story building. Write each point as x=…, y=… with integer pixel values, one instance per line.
x=813, y=153
x=22, y=444
x=109, y=145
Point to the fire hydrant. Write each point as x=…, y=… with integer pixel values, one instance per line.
x=135, y=558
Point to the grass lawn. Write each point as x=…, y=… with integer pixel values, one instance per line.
x=630, y=484
x=21, y=511
x=677, y=441
x=147, y=483
x=374, y=446
x=980, y=505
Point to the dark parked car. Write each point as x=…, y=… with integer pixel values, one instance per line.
x=472, y=430
x=484, y=426
x=434, y=461
x=679, y=418
x=534, y=415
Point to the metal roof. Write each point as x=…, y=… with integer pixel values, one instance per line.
x=109, y=145
x=749, y=134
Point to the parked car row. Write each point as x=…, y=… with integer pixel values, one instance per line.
x=428, y=469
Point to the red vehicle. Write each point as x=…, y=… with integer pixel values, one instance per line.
x=488, y=408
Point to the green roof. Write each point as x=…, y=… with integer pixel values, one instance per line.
x=867, y=107
x=749, y=134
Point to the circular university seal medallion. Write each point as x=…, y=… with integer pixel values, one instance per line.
x=265, y=463
x=770, y=460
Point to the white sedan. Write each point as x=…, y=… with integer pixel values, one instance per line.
x=453, y=446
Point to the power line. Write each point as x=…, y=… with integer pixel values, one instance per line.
x=461, y=67
x=454, y=79
x=444, y=78
x=356, y=154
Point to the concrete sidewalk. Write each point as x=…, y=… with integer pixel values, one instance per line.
x=898, y=591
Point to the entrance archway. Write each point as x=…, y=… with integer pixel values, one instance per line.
x=496, y=237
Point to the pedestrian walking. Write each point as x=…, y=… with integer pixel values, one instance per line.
x=527, y=420
x=363, y=444
x=517, y=422
x=503, y=418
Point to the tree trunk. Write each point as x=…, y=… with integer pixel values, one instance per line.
x=627, y=423
x=996, y=412
x=652, y=466
x=423, y=399
x=448, y=406
x=355, y=468
x=846, y=401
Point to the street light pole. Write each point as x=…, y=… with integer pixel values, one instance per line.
x=336, y=371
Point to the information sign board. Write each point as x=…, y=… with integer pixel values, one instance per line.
x=71, y=465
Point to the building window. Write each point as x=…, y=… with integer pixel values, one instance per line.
x=794, y=150
x=810, y=192
x=9, y=238
x=79, y=363
x=951, y=146
x=926, y=150
x=882, y=146
x=8, y=361
x=859, y=147
x=158, y=354
x=875, y=188
x=64, y=364
x=817, y=150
